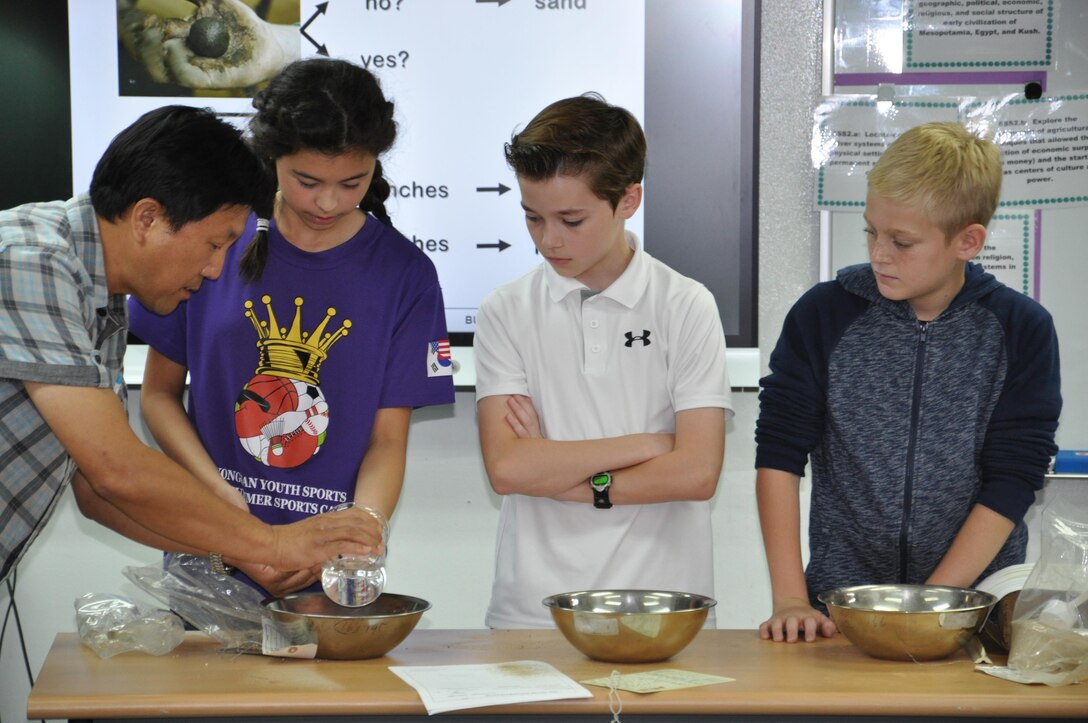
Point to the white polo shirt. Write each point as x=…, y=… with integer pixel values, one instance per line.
x=623, y=361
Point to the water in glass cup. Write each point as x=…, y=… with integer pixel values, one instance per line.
x=353, y=581
x=356, y=580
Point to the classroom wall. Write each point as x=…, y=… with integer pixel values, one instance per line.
x=443, y=532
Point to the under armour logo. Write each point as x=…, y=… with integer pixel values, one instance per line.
x=631, y=338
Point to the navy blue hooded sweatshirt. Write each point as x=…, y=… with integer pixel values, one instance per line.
x=909, y=424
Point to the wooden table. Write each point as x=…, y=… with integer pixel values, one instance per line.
x=825, y=678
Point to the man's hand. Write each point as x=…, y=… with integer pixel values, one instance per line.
x=256, y=50
x=793, y=616
x=277, y=582
x=307, y=543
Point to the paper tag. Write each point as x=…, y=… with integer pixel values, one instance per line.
x=655, y=681
x=593, y=624
x=648, y=625
x=284, y=642
x=961, y=620
x=976, y=650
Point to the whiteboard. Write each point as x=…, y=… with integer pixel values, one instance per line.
x=465, y=75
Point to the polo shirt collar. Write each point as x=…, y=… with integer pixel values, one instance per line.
x=626, y=290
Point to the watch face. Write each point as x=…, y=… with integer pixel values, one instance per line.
x=601, y=481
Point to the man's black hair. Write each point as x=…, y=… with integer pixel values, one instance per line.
x=187, y=159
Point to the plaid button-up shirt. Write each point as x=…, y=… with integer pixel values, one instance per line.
x=58, y=325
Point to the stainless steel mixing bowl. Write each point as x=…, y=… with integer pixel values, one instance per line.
x=908, y=622
x=344, y=633
x=629, y=626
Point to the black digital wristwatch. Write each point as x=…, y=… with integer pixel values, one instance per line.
x=600, y=483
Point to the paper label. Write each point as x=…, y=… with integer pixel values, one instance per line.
x=648, y=625
x=654, y=681
x=592, y=624
x=285, y=641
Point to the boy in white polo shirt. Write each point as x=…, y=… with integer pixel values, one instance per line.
x=601, y=384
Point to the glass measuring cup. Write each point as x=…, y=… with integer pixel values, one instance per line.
x=356, y=580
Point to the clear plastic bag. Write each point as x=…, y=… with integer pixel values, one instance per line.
x=112, y=624
x=225, y=608
x=1050, y=622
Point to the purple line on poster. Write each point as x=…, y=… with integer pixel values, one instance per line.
x=1004, y=77
x=1038, y=251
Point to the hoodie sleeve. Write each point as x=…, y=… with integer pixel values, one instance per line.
x=793, y=397
x=1020, y=437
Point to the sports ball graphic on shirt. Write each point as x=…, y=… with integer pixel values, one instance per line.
x=281, y=421
x=281, y=417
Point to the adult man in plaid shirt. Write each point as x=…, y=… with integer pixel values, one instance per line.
x=169, y=196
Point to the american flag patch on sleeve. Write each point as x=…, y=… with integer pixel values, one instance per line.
x=439, y=362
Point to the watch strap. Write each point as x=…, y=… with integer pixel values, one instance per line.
x=218, y=566
x=601, y=499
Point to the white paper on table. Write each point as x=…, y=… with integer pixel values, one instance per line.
x=455, y=687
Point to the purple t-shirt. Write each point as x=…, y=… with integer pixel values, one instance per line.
x=286, y=374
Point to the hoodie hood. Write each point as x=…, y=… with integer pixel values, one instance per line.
x=859, y=280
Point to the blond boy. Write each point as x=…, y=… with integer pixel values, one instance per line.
x=925, y=392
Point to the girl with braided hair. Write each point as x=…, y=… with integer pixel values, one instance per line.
x=307, y=356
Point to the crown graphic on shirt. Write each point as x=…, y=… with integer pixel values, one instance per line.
x=293, y=353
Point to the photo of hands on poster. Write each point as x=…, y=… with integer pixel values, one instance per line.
x=183, y=47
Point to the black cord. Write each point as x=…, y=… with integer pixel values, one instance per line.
x=19, y=627
x=13, y=608
x=7, y=614
x=4, y=628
